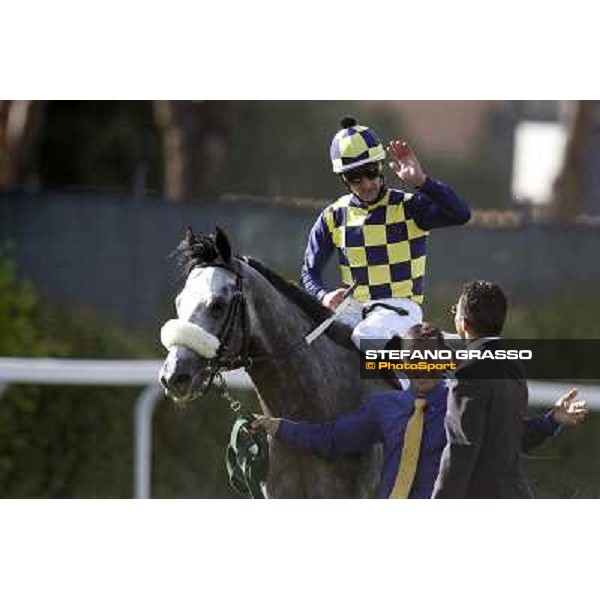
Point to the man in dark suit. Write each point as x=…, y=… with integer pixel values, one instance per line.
x=487, y=407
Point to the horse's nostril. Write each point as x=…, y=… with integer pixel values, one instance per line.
x=177, y=383
x=180, y=382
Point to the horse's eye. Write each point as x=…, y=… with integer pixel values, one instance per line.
x=218, y=307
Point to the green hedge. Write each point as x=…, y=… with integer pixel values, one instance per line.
x=76, y=441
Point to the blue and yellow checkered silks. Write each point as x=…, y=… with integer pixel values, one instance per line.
x=379, y=248
x=355, y=146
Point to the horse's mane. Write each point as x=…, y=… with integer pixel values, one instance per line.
x=196, y=251
x=293, y=292
x=200, y=250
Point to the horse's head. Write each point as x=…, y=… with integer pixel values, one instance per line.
x=209, y=332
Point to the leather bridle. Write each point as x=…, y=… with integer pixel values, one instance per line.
x=223, y=359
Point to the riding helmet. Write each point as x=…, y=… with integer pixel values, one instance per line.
x=353, y=146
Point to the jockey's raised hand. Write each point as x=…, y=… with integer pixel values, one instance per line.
x=569, y=412
x=333, y=299
x=405, y=163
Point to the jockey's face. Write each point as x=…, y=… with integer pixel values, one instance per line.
x=365, y=182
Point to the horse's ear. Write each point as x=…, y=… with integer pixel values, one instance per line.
x=190, y=236
x=223, y=245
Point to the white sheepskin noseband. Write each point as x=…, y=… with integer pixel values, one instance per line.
x=184, y=333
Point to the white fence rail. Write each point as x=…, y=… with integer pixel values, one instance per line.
x=50, y=371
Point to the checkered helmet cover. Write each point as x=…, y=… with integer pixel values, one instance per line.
x=354, y=146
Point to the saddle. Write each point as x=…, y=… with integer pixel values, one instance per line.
x=341, y=333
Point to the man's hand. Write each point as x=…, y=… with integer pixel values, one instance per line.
x=269, y=424
x=568, y=412
x=333, y=299
x=405, y=163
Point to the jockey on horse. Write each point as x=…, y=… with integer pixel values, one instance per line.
x=380, y=234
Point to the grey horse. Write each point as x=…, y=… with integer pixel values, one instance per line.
x=235, y=312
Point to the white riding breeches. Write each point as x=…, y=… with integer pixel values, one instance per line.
x=381, y=324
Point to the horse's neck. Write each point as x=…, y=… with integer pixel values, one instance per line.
x=299, y=381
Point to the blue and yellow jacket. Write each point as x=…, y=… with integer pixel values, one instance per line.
x=381, y=246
